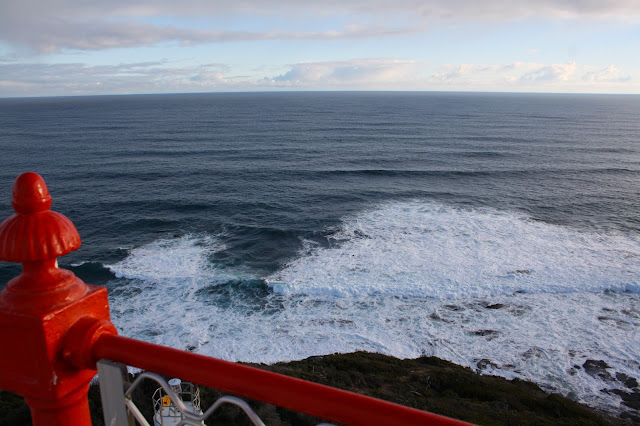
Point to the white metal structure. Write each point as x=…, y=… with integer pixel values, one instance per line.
x=176, y=403
x=119, y=409
x=166, y=411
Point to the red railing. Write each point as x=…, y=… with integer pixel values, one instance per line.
x=54, y=329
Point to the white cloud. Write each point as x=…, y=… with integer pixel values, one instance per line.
x=532, y=76
x=355, y=73
x=55, y=25
x=553, y=72
x=397, y=74
x=436, y=8
x=55, y=36
x=456, y=72
x=30, y=79
x=610, y=74
x=79, y=79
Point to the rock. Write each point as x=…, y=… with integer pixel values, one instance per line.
x=437, y=317
x=520, y=272
x=573, y=370
x=630, y=399
x=518, y=310
x=533, y=353
x=598, y=368
x=489, y=334
x=495, y=306
x=630, y=416
x=628, y=381
x=631, y=313
x=618, y=322
x=484, y=363
x=315, y=358
x=454, y=308
x=489, y=305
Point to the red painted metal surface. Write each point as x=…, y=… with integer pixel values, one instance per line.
x=34, y=232
x=38, y=307
x=299, y=395
x=54, y=328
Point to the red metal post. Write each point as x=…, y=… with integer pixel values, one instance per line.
x=38, y=307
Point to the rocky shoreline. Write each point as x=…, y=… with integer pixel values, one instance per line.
x=630, y=398
x=425, y=383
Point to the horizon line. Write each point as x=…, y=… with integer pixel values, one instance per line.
x=316, y=91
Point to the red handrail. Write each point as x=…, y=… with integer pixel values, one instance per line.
x=57, y=328
x=288, y=392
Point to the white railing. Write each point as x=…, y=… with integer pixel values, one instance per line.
x=172, y=407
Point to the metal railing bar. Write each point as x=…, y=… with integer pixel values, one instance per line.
x=237, y=402
x=136, y=412
x=190, y=417
x=311, y=398
x=112, y=393
x=162, y=382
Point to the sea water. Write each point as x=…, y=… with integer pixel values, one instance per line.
x=497, y=231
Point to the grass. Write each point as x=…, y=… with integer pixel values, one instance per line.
x=425, y=383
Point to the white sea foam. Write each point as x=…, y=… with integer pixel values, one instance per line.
x=418, y=249
x=158, y=301
x=166, y=259
x=410, y=279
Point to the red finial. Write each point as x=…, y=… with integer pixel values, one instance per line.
x=34, y=232
x=30, y=194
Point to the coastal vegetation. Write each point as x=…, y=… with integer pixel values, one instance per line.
x=425, y=383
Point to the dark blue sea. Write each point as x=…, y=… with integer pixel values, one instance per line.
x=498, y=231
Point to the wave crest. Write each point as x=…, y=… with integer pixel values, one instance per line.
x=425, y=249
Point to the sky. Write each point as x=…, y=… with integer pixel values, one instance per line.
x=98, y=47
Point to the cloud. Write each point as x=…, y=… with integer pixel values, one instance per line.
x=164, y=77
x=454, y=72
x=29, y=79
x=553, y=72
x=55, y=36
x=610, y=74
x=355, y=73
x=55, y=25
x=83, y=10
x=78, y=79
x=398, y=74
x=532, y=76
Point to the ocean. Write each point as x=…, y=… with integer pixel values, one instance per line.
x=497, y=231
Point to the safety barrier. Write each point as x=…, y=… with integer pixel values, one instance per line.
x=61, y=336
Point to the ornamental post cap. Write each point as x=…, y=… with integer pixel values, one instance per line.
x=30, y=194
x=34, y=232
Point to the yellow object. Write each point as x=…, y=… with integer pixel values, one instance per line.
x=166, y=400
